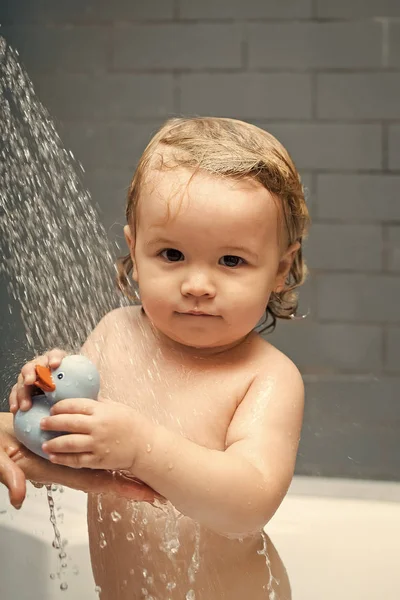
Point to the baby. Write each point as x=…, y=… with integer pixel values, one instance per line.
x=193, y=401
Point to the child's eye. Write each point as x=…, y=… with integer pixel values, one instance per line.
x=232, y=261
x=172, y=255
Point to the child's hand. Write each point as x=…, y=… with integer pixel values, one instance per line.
x=103, y=435
x=18, y=464
x=20, y=397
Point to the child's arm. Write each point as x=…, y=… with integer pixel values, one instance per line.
x=18, y=464
x=235, y=491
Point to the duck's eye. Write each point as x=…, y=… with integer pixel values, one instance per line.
x=60, y=376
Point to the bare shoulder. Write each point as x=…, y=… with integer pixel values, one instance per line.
x=114, y=323
x=275, y=365
x=121, y=316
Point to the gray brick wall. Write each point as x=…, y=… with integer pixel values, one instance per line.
x=324, y=77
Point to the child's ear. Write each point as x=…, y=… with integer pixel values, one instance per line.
x=130, y=240
x=285, y=264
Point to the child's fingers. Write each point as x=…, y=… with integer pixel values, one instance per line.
x=23, y=394
x=26, y=379
x=74, y=406
x=13, y=400
x=51, y=359
x=66, y=422
x=20, y=396
x=28, y=371
x=74, y=443
x=55, y=357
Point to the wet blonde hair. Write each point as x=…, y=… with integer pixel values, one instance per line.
x=237, y=150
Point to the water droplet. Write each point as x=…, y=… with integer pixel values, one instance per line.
x=190, y=595
x=62, y=555
x=145, y=592
x=130, y=536
x=148, y=448
x=52, y=575
x=64, y=565
x=115, y=516
x=97, y=589
x=171, y=585
x=144, y=573
x=28, y=429
x=131, y=571
x=90, y=377
x=103, y=543
x=170, y=466
x=146, y=548
x=64, y=586
x=117, y=441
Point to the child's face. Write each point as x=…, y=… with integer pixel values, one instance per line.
x=213, y=247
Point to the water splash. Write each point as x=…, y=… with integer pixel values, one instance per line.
x=58, y=543
x=195, y=562
x=170, y=543
x=99, y=508
x=58, y=264
x=272, y=580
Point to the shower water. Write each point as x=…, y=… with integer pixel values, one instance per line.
x=57, y=259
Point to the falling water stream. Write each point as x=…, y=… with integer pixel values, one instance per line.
x=48, y=230
x=56, y=258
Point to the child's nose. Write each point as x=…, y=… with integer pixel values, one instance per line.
x=197, y=283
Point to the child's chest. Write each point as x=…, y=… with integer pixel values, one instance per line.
x=197, y=400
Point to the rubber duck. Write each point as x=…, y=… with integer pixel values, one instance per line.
x=76, y=377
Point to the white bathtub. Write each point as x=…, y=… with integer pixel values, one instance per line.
x=27, y=558
x=340, y=540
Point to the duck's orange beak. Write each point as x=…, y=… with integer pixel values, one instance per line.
x=44, y=379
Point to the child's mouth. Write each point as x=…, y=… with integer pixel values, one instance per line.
x=196, y=314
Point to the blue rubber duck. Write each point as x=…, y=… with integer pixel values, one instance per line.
x=76, y=377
